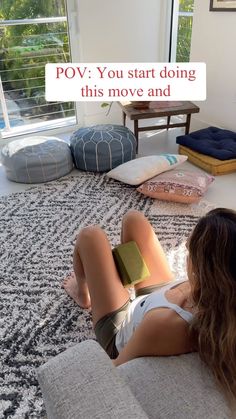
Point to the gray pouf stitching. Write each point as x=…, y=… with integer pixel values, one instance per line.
x=36, y=159
x=100, y=148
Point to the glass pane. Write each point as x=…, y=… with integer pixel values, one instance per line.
x=29, y=9
x=184, y=38
x=24, y=51
x=186, y=5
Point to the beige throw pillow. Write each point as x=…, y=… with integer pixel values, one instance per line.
x=135, y=172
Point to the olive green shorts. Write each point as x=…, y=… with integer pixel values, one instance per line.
x=108, y=326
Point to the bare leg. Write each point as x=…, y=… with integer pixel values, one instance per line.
x=95, y=273
x=136, y=227
x=76, y=285
x=77, y=290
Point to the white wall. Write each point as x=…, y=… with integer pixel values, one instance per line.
x=119, y=31
x=214, y=42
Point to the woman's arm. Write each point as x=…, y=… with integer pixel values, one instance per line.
x=162, y=332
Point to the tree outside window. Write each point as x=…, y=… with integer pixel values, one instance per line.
x=184, y=30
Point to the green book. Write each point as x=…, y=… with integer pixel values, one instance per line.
x=130, y=263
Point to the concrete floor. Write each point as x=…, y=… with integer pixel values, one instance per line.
x=221, y=193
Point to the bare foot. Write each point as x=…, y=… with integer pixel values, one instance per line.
x=80, y=296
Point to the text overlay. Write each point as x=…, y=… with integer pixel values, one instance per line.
x=125, y=81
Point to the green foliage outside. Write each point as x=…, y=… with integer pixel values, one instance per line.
x=184, y=31
x=29, y=9
x=186, y=5
x=25, y=49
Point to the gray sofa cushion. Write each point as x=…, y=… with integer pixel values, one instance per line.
x=82, y=383
x=180, y=387
x=102, y=147
x=36, y=159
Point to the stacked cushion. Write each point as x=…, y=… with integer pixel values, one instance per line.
x=36, y=159
x=159, y=177
x=102, y=147
x=211, y=165
x=213, y=149
x=215, y=142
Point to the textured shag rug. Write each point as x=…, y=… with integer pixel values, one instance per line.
x=37, y=233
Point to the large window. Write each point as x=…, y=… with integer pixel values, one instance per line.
x=32, y=33
x=182, y=30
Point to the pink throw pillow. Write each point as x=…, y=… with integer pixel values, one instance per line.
x=177, y=186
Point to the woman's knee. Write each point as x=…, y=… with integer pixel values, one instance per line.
x=133, y=218
x=89, y=233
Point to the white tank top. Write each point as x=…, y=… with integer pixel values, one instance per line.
x=141, y=305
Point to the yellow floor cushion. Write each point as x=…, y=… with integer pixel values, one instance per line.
x=210, y=164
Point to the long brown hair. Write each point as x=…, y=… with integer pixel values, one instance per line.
x=212, y=274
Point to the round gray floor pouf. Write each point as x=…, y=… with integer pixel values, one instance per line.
x=36, y=159
x=102, y=147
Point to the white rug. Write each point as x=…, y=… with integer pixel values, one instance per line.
x=37, y=232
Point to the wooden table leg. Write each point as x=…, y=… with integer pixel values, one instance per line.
x=136, y=133
x=168, y=122
x=124, y=118
x=188, y=120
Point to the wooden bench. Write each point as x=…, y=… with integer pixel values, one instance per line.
x=158, y=110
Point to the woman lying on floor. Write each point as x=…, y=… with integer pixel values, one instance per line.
x=167, y=317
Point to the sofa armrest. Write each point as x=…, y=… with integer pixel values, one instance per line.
x=82, y=382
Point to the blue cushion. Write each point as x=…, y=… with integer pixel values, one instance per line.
x=102, y=147
x=36, y=159
x=215, y=142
